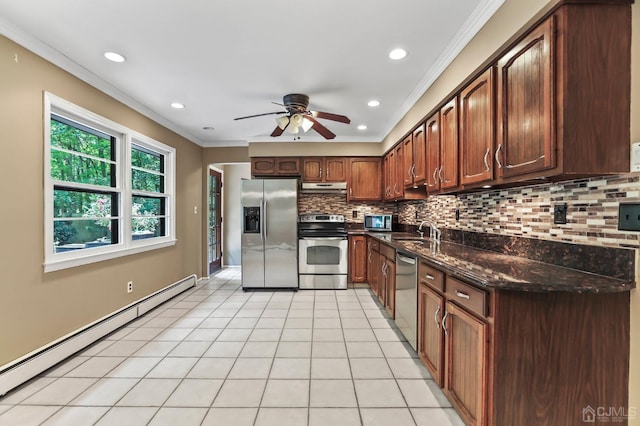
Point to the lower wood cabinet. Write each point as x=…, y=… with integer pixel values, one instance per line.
x=357, y=258
x=506, y=357
x=373, y=264
x=387, y=287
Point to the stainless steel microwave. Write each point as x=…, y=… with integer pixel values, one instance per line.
x=380, y=222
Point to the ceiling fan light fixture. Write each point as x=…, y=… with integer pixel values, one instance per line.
x=282, y=122
x=293, y=130
x=306, y=124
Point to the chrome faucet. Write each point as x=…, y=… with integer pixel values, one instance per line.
x=434, y=232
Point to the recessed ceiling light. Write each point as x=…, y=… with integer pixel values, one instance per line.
x=373, y=103
x=177, y=105
x=397, y=54
x=114, y=57
x=362, y=127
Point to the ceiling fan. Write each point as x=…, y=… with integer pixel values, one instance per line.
x=298, y=116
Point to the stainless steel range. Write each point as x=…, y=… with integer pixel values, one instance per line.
x=322, y=251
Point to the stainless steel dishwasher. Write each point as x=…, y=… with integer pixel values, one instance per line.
x=407, y=296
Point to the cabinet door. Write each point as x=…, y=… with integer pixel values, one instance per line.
x=390, y=288
x=388, y=159
x=526, y=141
x=432, y=141
x=365, y=179
x=430, y=335
x=373, y=269
x=465, y=363
x=382, y=279
x=419, y=153
x=406, y=174
x=399, y=173
x=477, y=130
x=288, y=166
x=358, y=258
x=448, y=172
x=263, y=166
x=312, y=168
x=335, y=169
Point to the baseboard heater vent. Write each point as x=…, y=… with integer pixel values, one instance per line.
x=34, y=363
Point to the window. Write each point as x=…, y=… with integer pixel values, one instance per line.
x=109, y=191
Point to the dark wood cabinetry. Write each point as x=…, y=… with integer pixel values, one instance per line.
x=477, y=124
x=357, y=258
x=413, y=148
x=448, y=172
x=432, y=141
x=275, y=166
x=373, y=264
x=324, y=169
x=430, y=336
x=387, y=283
x=364, y=179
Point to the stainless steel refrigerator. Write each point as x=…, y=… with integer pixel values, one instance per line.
x=269, y=233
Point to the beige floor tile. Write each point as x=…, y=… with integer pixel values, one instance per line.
x=387, y=416
x=364, y=350
x=286, y=393
x=251, y=368
x=105, y=392
x=172, y=368
x=195, y=393
x=156, y=349
x=190, y=349
x=296, y=335
x=122, y=348
x=408, y=368
x=397, y=350
x=137, y=367
x=149, y=393
x=259, y=350
x=211, y=368
x=298, y=323
x=332, y=393
x=293, y=350
x=328, y=335
x=370, y=368
x=436, y=416
x=230, y=416
x=224, y=349
x=168, y=416
x=27, y=415
x=60, y=392
x=417, y=393
x=290, y=368
x=334, y=417
x=379, y=393
x=76, y=416
x=266, y=335
x=282, y=417
x=359, y=335
x=330, y=368
x=240, y=393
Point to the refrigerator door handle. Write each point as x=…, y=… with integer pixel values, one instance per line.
x=265, y=219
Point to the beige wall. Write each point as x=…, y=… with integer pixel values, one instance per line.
x=37, y=308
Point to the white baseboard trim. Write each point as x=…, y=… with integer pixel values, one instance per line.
x=25, y=368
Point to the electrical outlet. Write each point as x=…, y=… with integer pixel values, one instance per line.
x=560, y=214
x=629, y=217
x=457, y=214
x=129, y=286
x=354, y=214
x=416, y=214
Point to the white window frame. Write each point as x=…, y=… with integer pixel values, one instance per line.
x=125, y=138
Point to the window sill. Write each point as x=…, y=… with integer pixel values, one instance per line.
x=88, y=258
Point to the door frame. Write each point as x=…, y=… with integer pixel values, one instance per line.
x=211, y=267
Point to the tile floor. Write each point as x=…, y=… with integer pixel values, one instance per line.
x=215, y=355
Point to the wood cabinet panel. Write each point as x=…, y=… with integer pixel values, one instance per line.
x=336, y=169
x=419, y=153
x=278, y=166
x=406, y=174
x=526, y=140
x=358, y=258
x=465, y=363
x=433, y=277
x=432, y=141
x=430, y=335
x=397, y=183
x=312, y=168
x=364, y=180
x=324, y=169
x=390, y=287
x=373, y=263
x=448, y=172
x=468, y=296
x=477, y=124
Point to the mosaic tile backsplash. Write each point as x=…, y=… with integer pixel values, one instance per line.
x=592, y=216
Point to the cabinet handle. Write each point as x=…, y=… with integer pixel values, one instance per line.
x=435, y=317
x=369, y=258
x=526, y=163
x=430, y=277
x=327, y=173
x=440, y=173
x=498, y=157
x=462, y=295
x=350, y=192
x=444, y=322
x=395, y=185
x=486, y=158
x=435, y=175
x=320, y=176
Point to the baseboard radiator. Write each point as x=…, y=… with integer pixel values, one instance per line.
x=25, y=368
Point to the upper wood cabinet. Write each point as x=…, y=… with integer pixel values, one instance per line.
x=413, y=149
x=364, y=181
x=275, y=166
x=526, y=141
x=477, y=124
x=397, y=183
x=448, y=171
x=324, y=169
x=432, y=140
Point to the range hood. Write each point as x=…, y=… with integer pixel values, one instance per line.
x=338, y=188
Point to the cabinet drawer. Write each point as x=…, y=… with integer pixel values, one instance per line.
x=431, y=276
x=467, y=295
x=388, y=251
x=373, y=244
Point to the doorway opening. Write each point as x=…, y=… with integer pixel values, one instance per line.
x=214, y=224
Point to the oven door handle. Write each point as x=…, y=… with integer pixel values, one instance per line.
x=323, y=238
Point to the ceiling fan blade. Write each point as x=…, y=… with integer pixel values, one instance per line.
x=278, y=131
x=260, y=115
x=331, y=116
x=326, y=133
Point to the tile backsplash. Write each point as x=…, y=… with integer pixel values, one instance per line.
x=592, y=216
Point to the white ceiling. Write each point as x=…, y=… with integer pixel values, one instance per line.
x=226, y=59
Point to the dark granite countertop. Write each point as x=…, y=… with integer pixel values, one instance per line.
x=493, y=270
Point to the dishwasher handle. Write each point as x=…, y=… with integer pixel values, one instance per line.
x=404, y=259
